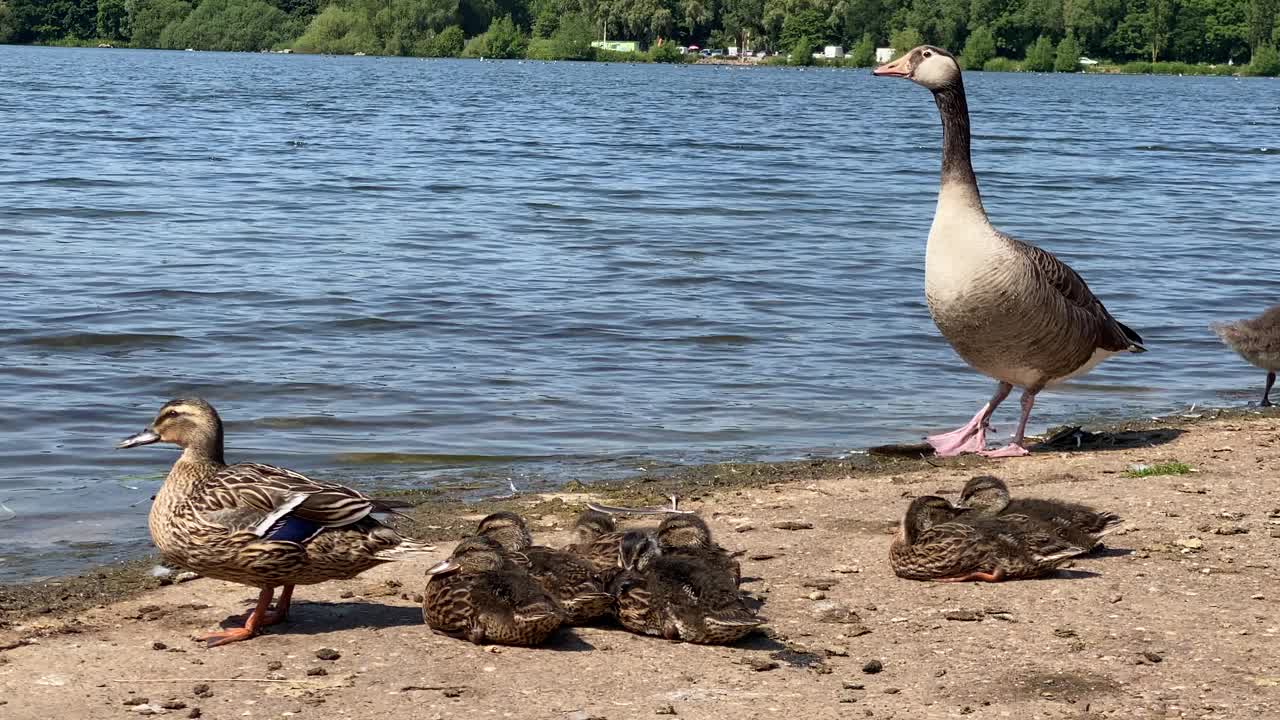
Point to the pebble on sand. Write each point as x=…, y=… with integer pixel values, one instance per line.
x=328, y=654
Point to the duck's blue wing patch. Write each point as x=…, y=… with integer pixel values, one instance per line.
x=292, y=528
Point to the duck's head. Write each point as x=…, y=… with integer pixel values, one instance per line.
x=185, y=422
x=986, y=493
x=636, y=550
x=507, y=529
x=925, y=512
x=926, y=65
x=684, y=531
x=591, y=524
x=476, y=554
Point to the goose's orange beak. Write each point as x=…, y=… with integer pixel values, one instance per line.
x=896, y=68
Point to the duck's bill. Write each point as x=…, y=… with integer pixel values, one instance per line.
x=146, y=437
x=897, y=68
x=443, y=567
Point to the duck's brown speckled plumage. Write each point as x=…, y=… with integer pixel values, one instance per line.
x=597, y=540
x=688, y=535
x=1077, y=524
x=481, y=595
x=1257, y=340
x=938, y=541
x=683, y=597
x=256, y=524
x=566, y=576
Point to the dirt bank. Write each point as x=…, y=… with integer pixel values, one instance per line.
x=1177, y=618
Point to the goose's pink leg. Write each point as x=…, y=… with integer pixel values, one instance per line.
x=973, y=436
x=1015, y=449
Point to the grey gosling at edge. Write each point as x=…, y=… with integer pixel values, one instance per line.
x=258, y=525
x=939, y=541
x=480, y=594
x=1012, y=311
x=566, y=576
x=1077, y=524
x=1257, y=340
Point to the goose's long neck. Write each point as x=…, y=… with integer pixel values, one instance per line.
x=957, y=169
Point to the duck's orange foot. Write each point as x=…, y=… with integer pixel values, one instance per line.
x=223, y=637
x=996, y=576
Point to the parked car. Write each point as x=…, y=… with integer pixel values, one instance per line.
x=705, y=53
x=717, y=53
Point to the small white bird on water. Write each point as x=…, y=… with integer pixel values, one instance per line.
x=1012, y=311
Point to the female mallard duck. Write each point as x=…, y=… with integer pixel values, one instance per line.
x=480, y=595
x=679, y=597
x=1077, y=524
x=566, y=576
x=257, y=525
x=939, y=541
x=689, y=535
x=1257, y=340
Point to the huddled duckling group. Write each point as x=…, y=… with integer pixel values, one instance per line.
x=672, y=581
x=990, y=537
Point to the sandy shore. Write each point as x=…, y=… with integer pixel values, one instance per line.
x=1178, y=617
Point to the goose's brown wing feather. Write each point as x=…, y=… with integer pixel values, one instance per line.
x=1079, y=301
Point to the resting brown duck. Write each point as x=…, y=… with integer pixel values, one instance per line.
x=1078, y=524
x=566, y=576
x=258, y=525
x=597, y=540
x=479, y=594
x=689, y=535
x=680, y=597
x=939, y=541
x=1257, y=340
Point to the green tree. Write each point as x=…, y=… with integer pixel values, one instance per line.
x=149, y=18
x=8, y=27
x=570, y=41
x=978, y=49
x=1159, y=26
x=446, y=43
x=864, y=53
x=113, y=20
x=1266, y=61
x=905, y=40
x=502, y=40
x=665, y=53
x=1068, y=55
x=802, y=52
x=1263, y=16
x=239, y=25
x=1040, y=56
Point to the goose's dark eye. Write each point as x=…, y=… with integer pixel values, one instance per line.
x=928, y=53
x=170, y=415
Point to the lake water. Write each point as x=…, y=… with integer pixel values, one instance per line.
x=398, y=272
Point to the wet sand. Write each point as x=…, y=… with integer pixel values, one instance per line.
x=1177, y=617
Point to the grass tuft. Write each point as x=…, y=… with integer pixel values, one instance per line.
x=1165, y=468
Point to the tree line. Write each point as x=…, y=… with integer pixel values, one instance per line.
x=1038, y=34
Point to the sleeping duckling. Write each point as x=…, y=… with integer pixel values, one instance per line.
x=480, y=595
x=564, y=575
x=596, y=539
x=258, y=525
x=1077, y=524
x=939, y=541
x=689, y=535
x=680, y=597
